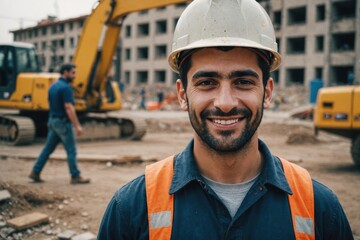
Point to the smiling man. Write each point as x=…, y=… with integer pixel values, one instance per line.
x=225, y=184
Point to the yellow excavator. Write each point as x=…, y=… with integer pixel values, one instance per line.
x=338, y=111
x=24, y=89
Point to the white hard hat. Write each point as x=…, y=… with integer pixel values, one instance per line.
x=213, y=23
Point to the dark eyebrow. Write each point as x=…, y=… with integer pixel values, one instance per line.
x=242, y=73
x=208, y=74
x=234, y=74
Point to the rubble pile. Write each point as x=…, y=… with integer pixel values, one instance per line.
x=301, y=135
x=20, y=217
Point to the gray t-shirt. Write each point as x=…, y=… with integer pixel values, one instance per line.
x=231, y=195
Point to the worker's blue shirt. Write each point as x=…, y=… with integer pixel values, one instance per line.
x=60, y=93
x=199, y=213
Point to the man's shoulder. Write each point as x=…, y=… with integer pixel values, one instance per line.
x=324, y=195
x=59, y=84
x=134, y=189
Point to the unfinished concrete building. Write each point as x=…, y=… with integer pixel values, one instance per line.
x=317, y=39
x=55, y=41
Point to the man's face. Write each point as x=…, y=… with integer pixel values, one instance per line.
x=70, y=75
x=225, y=97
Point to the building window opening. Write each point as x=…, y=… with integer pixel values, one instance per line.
x=343, y=75
x=160, y=51
x=127, y=54
x=72, y=42
x=344, y=9
x=319, y=73
x=127, y=77
x=275, y=76
x=344, y=42
x=128, y=31
x=175, y=22
x=143, y=12
x=141, y=77
x=278, y=44
x=161, y=27
x=295, y=76
x=53, y=29
x=296, y=45
x=160, y=76
x=62, y=43
x=297, y=16
x=319, y=44
x=143, y=53
x=320, y=13
x=277, y=20
x=143, y=30
x=180, y=5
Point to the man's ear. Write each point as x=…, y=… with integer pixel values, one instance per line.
x=181, y=94
x=268, y=93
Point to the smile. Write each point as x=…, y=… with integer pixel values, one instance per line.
x=225, y=122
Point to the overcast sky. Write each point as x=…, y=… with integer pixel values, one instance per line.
x=16, y=14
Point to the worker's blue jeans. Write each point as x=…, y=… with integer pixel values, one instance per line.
x=59, y=130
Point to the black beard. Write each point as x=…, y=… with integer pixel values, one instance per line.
x=220, y=145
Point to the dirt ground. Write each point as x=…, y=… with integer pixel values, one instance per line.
x=80, y=208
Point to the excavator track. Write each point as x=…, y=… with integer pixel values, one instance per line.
x=15, y=130
x=21, y=130
x=101, y=127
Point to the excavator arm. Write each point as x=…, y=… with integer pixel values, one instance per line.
x=96, y=48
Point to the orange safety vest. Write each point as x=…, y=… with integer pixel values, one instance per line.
x=160, y=203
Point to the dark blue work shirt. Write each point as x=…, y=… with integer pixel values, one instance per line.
x=60, y=92
x=199, y=213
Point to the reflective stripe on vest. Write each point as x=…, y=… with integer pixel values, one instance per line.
x=160, y=203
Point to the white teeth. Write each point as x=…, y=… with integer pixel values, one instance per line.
x=225, y=122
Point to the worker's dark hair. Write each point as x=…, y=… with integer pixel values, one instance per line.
x=186, y=64
x=66, y=67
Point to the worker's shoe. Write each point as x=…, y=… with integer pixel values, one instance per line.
x=35, y=177
x=79, y=180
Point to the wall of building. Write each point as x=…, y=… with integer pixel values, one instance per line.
x=317, y=39
x=323, y=28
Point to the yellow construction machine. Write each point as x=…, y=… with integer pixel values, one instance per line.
x=23, y=88
x=338, y=111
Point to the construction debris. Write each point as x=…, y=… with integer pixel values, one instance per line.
x=28, y=220
x=4, y=195
x=66, y=235
x=84, y=236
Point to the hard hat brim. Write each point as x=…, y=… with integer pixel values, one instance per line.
x=223, y=42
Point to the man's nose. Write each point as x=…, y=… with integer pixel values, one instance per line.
x=225, y=99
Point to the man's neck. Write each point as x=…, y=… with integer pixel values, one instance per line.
x=235, y=167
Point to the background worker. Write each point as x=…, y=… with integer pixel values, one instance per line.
x=142, y=93
x=225, y=184
x=62, y=119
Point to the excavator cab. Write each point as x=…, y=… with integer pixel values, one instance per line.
x=15, y=58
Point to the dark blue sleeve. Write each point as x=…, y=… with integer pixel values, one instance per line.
x=68, y=95
x=112, y=223
x=331, y=222
x=126, y=214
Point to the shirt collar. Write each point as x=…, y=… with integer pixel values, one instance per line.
x=186, y=170
x=63, y=79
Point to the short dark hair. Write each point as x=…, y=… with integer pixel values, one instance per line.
x=186, y=64
x=66, y=67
